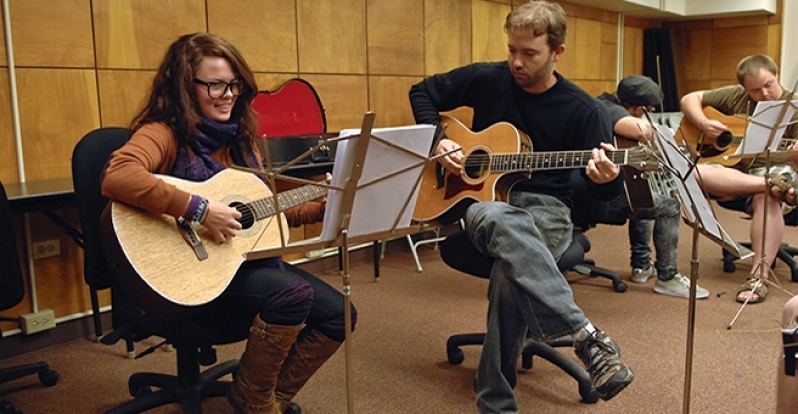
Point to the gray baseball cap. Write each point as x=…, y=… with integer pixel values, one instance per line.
x=639, y=90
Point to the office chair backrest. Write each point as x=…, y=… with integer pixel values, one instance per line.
x=89, y=158
x=12, y=284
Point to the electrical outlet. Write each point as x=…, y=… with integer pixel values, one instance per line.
x=47, y=248
x=37, y=321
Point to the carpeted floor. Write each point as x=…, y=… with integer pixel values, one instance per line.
x=398, y=356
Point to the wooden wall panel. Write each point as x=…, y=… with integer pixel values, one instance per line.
x=136, y=34
x=396, y=37
x=332, y=36
x=632, y=51
x=57, y=107
x=727, y=49
x=264, y=31
x=120, y=104
x=489, y=42
x=567, y=64
x=272, y=81
x=607, y=67
x=59, y=280
x=52, y=33
x=8, y=146
x=697, y=48
x=447, y=35
x=586, y=41
x=345, y=99
x=389, y=100
x=3, y=59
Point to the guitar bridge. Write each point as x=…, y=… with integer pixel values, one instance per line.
x=192, y=238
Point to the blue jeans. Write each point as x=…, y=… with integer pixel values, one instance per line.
x=665, y=215
x=527, y=293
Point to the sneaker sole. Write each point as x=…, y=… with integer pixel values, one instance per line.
x=606, y=396
x=640, y=280
x=678, y=295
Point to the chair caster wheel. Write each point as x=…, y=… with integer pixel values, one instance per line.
x=455, y=356
x=621, y=287
x=589, y=395
x=48, y=378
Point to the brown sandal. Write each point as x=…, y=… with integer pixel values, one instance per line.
x=750, y=286
x=784, y=183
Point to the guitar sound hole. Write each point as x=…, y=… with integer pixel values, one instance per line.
x=477, y=165
x=724, y=140
x=247, y=219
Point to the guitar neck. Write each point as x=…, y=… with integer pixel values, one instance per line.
x=265, y=207
x=555, y=160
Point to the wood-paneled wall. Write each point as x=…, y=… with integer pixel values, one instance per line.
x=82, y=64
x=706, y=52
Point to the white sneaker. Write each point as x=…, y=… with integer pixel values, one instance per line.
x=642, y=275
x=679, y=286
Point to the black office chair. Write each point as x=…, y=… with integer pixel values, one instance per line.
x=192, y=338
x=786, y=253
x=458, y=252
x=12, y=290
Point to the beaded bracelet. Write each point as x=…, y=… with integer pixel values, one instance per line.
x=193, y=204
x=202, y=209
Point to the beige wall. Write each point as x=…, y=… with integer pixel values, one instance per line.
x=83, y=64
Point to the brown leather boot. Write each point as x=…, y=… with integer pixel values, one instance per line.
x=252, y=391
x=312, y=351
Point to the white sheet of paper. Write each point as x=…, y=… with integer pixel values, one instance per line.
x=382, y=190
x=691, y=195
x=765, y=118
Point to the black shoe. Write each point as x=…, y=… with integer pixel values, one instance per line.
x=293, y=408
x=601, y=357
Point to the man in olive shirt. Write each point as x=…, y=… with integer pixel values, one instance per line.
x=758, y=81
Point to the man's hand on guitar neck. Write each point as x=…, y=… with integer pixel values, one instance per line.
x=600, y=169
x=453, y=159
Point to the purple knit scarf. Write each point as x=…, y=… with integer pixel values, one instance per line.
x=210, y=136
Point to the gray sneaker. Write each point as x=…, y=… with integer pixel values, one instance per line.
x=642, y=275
x=679, y=286
x=601, y=357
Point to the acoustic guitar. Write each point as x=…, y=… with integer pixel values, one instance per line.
x=714, y=149
x=636, y=185
x=494, y=159
x=171, y=268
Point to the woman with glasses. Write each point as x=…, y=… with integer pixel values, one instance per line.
x=199, y=120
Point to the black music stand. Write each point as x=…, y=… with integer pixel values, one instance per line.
x=697, y=212
x=358, y=209
x=763, y=136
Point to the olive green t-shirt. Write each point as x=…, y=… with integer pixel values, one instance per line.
x=734, y=100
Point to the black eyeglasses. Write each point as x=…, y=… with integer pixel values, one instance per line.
x=218, y=89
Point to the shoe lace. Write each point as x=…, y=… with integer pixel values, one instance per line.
x=600, y=356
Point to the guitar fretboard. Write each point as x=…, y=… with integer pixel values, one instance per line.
x=264, y=207
x=549, y=160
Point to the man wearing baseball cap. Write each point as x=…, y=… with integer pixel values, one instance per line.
x=635, y=95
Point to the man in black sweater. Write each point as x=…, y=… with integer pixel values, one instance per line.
x=528, y=234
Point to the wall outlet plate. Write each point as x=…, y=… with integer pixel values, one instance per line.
x=47, y=248
x=30, y=323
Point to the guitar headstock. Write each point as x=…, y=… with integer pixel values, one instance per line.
x=643, y=158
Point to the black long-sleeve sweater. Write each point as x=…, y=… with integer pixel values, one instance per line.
x=563, y=118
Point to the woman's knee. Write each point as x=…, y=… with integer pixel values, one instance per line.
x=289, y=306
x=335, y=327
